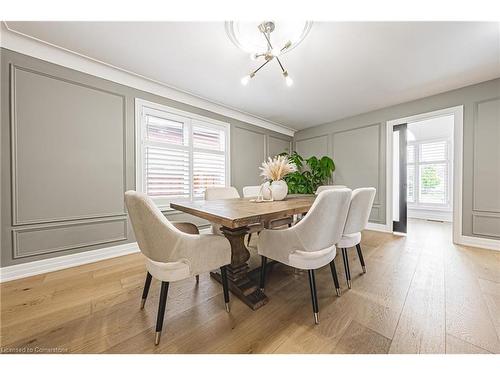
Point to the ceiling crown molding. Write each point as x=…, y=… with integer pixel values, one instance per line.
x=29, y=45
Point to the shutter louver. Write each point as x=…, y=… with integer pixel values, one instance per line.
x=181, y=156
x=167, y=172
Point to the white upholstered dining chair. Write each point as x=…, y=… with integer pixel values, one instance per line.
x=171, y=253
x=357, y=219
x=310, y=244
x=251, y=191
x=328, y=187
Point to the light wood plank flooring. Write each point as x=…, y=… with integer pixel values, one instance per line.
x=421, y=294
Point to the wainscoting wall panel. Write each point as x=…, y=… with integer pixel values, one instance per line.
x=486, y=168
x=357, y=154
x=68, y=151
x=316, y=146
x=276, y=146
x=52, y=238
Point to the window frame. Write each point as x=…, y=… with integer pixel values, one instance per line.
x=417, y=164
x=144, y=107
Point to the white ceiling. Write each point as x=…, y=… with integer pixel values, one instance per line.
x=341, y=69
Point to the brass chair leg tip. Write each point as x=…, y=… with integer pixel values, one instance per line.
x=364, y=269
x=143, y=303
x=157, y=338
x=316, y=318
x=227, y=307
x=349, y=284
x=339, y=292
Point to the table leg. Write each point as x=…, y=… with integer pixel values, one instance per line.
x=240, y=283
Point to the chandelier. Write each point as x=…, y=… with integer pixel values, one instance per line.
x=267, y=41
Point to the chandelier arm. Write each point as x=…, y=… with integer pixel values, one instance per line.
x=268, y=39
x=260, y=67
x=281, y=65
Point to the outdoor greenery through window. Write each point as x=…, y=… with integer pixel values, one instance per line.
x=428, y=173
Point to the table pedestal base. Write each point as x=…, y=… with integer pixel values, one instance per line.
x=240, y=283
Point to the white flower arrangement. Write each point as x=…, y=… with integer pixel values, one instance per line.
x=274, y=169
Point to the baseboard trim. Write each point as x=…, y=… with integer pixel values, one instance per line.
x=38, y=267
x=378, y=227
x=484, y=243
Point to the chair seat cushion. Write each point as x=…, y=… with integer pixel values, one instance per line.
x=349, y=240
x=311, y=260
x=171, y=271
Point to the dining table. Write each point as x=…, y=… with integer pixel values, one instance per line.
x=236, y=218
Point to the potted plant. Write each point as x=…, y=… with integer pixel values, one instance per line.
x=309, y=174
x=274, y=170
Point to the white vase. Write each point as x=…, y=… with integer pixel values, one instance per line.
x=279, y=190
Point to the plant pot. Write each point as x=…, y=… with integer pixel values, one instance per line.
x=279, y=190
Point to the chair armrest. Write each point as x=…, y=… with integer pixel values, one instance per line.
x=188, y=228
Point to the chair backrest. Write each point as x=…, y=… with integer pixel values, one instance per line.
x=359, y=210
x=155, y=235
x=213, y=193
x=323, y=225
x=328, y=187
x=251, y=191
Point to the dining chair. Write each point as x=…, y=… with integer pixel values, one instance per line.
x=170, y=253
x=309, y=244
x=357, y=219
x=328, y=187
x=251, y=191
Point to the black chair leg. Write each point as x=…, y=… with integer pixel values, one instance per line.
x=225, y=286
x=263, y=273
x=361, y=259
x=314, y=296
x=335, y=278
x=197, y=279
x=145, y=291
x=161, y=310
x=346, y=267
x=249, y=237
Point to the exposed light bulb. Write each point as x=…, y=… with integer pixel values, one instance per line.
x=288, y=79
x=246, y=79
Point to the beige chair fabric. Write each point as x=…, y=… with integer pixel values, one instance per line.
x=328, y=187
x=214, y=193
x=251, y=191
x=357, y=218
x=170, y=253
x=310, y=244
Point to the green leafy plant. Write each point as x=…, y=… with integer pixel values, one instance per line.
x=310, y=174
x=430, y=177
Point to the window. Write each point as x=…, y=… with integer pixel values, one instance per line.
x=428, y=173
x=179, y=154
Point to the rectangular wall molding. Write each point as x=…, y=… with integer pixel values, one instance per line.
x=19, y=188
x=53, y=238
x=486, y=224
x=485, y=167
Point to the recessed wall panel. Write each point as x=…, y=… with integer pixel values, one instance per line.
x=68, y=149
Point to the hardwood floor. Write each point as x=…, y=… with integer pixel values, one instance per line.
x=421, y=294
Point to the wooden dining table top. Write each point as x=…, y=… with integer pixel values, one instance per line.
x=241, y=212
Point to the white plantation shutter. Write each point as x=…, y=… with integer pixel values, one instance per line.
x=433, y=151
x=209, y=158
x=428, y=166
x=180, y=156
